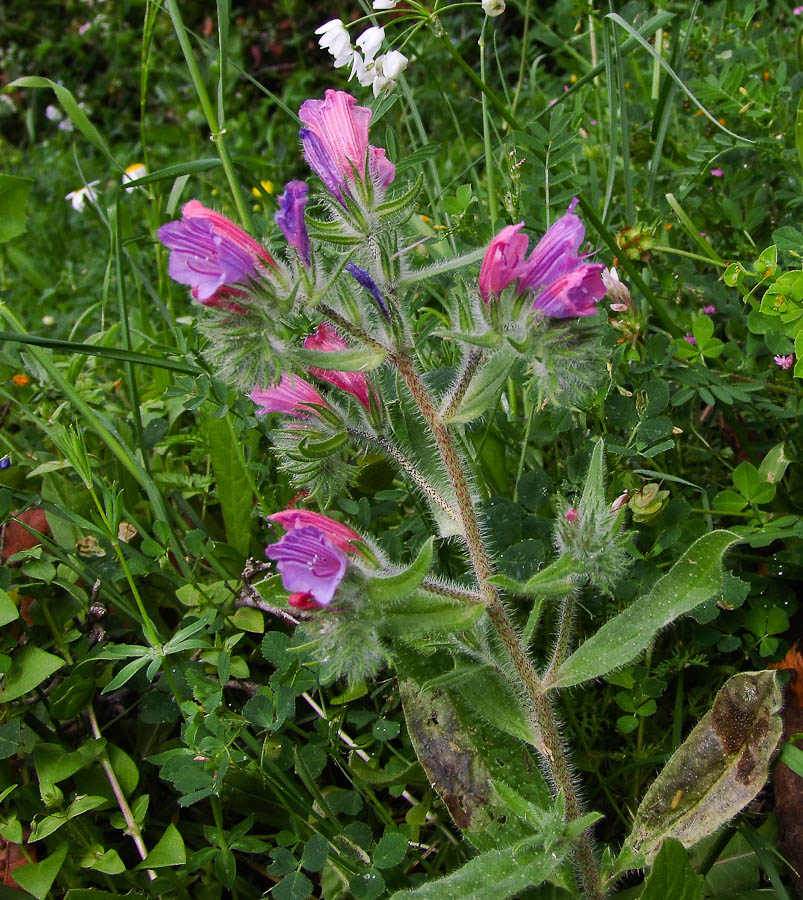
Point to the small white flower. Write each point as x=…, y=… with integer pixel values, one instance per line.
x=348, y=56
x=493, y=7
x=385, y=4
x=79, y=197
x=392, y=64
x=133, y=172
x=370, y=41
x=616, y=290
x=334, y=37
x=53, y=113
x=48, y=321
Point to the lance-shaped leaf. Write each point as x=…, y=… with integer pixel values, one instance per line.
x=719, y=768
x=695, y=577
x=494, y=875
x=484, y=387
x=555, y=580
x=359, y=359
x=391, y=588
x=401, y=207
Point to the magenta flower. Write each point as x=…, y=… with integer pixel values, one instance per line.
x=717, y=173
x=503, y=262
x=564, y=285
x=210, y=253
x=340, y=535
x=292, y=396
x=309, y=563
x=573, y=294
x=335, y=141
x=227, y=229
x=203, y=259
x=556, y=253
x=785, y=362
x=327, y=339
x=710, y=310
x=691, y=339
x=290, y=217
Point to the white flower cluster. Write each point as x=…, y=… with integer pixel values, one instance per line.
x=377, y=71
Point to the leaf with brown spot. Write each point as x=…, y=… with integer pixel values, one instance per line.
x=717, y=771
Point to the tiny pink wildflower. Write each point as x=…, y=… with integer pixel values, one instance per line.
x=571, y=515
x=710, y=310
x=785, y=362
x=691, y=339
x=717, y=173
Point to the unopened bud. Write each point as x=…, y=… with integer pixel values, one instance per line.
x=493, y=7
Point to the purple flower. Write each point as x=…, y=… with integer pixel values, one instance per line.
x=556, y=253
x=202, y=258
x=364, y=279
x=717, y=173
x=5, y=462
x=691, y=339
x=785, y=362
x=710, y=310
x=290, y=217
x=574, y=294
x=309, y=563
x=335, y=141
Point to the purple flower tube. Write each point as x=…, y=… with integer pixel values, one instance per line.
x=309, y=563
x=290, y=218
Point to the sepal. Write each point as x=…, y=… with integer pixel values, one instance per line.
x=391, y=588
x=484, y=387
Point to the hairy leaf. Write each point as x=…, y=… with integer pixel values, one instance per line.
x=672, y=876
x=484, y=387
x=692, y=580
x=720, y=767
x=396, y=587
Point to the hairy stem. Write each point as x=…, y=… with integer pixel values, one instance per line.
x=473, y=360
x=391, y=450
x=551, y=745
x=561, y=647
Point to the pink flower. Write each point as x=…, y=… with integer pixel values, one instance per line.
x=785, y=362
x=309, y=563
x=619, y=502
x=503, y=262
x=573, y=294
x=210, y=253
x=564, y=285
x=710, y=310
x=691, y=339
x=797, y=11
x=571, y=515
x=340, y=535
x=717, y=173
x=335, y=141
x=226, y=228
x=327, y=339
x=292, y=396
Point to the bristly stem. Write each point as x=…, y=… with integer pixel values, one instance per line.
x=551, y=744
x=391, y=450
x=473, y=360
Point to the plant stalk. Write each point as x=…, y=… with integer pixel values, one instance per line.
x=551, y=745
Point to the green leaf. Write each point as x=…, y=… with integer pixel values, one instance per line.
x=315, y=853
x=108, y=862
x=9, y=738
x=774, y=464
x=360, y=359
x=718, y=769
x=234, y=487
x=169, y=851
x=38, y=878
x=29, y=668
x=692, y=580
x=749, y=483
x=192, y=167
x=424, y=614
x=672, y=876
x=390, y=850
x=125, y=674
x=8, y=609
x=484, y=387
x=13, y=197
x=391, y=588
x=494, y=875
x=295, y=886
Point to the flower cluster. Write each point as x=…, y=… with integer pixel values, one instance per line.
x=562, y=285
x=377, y=72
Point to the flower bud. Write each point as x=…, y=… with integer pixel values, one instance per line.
x=493, y=8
